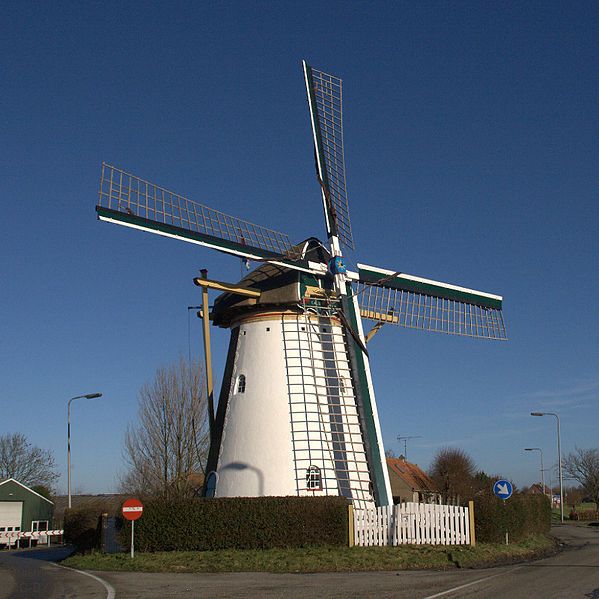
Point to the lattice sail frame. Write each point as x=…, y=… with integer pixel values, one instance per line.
x=325, y=95
x=417, y=303
x=414, y=310
x=129, y=196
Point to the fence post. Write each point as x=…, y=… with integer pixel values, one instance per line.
x=103, y=530
x=471, y=518
x=350, y=522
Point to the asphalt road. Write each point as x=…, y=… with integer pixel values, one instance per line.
x=573, y=573
x=33, y=574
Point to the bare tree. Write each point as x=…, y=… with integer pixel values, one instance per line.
x=166, y=449
x=583, y=466
x=26, y=463
x=453, y=471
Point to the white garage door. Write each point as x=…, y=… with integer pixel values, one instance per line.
x=10, y=514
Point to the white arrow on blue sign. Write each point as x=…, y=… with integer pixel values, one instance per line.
x=503, y=489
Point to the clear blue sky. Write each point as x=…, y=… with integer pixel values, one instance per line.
x=472, y=158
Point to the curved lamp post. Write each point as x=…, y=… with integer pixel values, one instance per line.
x=559, y=462
x=542, y=468
x=88, y=396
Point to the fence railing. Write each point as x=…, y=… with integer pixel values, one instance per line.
x=412, y=523
x=13, y=538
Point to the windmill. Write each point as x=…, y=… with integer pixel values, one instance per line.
x=297, y=413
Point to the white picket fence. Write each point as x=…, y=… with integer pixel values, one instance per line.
x=412, y=523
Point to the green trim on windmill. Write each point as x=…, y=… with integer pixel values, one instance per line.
x=426, y=287
x=217, y=243
x=372, y=446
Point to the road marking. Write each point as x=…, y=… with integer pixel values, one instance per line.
x=110, y=592
x=469, y=584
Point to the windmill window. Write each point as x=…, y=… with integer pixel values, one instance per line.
x=313, y=479
x=241, y=384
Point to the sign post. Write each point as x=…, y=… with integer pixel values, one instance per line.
x=132, y=510
x=503, y=489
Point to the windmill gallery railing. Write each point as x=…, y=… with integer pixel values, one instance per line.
x=413, y=524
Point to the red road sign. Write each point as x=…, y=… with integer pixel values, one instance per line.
x=132, y=509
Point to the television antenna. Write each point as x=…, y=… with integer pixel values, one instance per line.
x=405, y=443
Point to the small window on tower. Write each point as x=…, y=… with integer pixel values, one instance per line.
x=313, y=480
x=241, y=384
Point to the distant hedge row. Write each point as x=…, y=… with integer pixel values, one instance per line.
x=239, y=523
x=520, y=516
x=586, y=515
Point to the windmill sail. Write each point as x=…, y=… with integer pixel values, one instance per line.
x=130, y=201
x=325, y=96
x=414, y=302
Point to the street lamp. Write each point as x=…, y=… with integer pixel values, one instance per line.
x=88, y=396
x=542, y=469
x=559, y=462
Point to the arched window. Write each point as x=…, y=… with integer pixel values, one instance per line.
x=241, y=384
x=211, y=484
x=313, y=479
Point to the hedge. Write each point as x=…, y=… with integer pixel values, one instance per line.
x=239, y=523
x=520, y=516
x=585, y=515
x=82, y=528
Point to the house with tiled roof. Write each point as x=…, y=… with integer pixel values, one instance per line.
x=537, y=489
x=411, y=483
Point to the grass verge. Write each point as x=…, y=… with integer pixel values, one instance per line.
x=319, y=559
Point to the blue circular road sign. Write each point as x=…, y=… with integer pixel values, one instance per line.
x=503, y=489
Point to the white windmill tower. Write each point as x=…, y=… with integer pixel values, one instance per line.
x=297, y=413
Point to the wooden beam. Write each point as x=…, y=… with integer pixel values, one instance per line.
x=380, y=316
x=374, y=330
x=228, y=287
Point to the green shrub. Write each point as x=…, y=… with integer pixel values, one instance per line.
x=82, y=528
x=520, y=515
x=239, y=523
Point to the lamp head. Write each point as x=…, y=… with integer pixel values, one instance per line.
x=92, y=395
x=537, y=413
